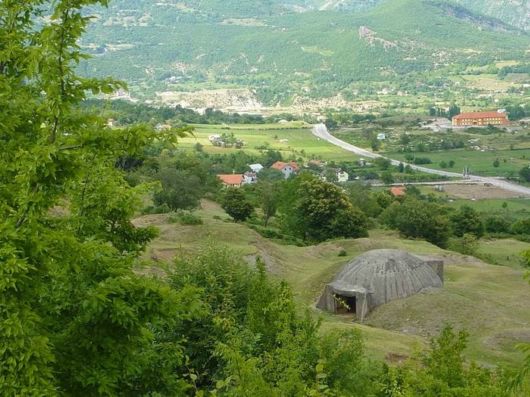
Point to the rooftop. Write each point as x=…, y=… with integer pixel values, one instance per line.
x=479, y=115
x=231, y=179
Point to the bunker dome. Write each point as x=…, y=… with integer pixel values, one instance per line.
x=377, y=277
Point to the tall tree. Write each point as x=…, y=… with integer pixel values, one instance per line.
x=74, y=318
x=316, y=210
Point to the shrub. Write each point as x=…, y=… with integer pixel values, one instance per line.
x=496, y=224
x=418, y=219
x=467, y=244
x=422, y=160
x=467, y=220
x=185, y=218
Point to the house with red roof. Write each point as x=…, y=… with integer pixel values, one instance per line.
x=479, y=119
x=398, y=191
x=287, y=169
x=231, y=180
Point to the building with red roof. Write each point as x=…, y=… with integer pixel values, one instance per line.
x=231, y=180
x=287, y=169
x=480, y=119
x=398, y=191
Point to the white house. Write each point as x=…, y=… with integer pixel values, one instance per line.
x=249, y=178
x=287, y=169
x=342, y=176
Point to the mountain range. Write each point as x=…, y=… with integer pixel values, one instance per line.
x=316, y=48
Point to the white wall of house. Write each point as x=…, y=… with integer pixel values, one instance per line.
x=342, y=176
x=287, y=171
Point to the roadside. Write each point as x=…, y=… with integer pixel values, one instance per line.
x=321, y=131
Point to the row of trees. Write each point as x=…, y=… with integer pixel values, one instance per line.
x=313, y=210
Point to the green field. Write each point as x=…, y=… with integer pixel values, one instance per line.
x=480, y=163
x=293, y=140
x=517, y=208
x=489, y=301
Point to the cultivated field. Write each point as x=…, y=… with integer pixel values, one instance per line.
x=479, y=163
x=293, y=139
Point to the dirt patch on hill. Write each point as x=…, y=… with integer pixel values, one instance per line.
x=478, y=192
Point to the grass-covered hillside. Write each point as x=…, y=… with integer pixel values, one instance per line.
x=487, y=300
x=279, y=52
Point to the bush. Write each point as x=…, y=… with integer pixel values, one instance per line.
x=422, y=160
x=418, y=219
x=466, y=245
x=342, y=252
x=496, y=224
x=156, y=209
x=185, y=218
x=467, y=220
x=521, y=227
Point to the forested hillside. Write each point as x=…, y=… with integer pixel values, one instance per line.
x=283, y=48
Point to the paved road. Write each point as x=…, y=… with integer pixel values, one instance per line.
x=321, y=131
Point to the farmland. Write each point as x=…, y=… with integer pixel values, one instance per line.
x=293, y=140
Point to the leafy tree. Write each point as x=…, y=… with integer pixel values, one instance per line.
x=183, y=182
x=524, y=173
x=496, y=224
x=318, y=210
x=74, y=318
x=375, y=144
x=268, y=199
x=387, y=177
x=521, y=227
x=418, y=219
x=236, y=205
x=251, y=340
x=382, y=163
x=454, y=110
x=467, y=220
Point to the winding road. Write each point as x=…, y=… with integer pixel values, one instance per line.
x=321, y=131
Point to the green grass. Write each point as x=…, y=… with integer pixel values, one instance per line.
x=480, y=163
x=489, y=301
x=505, y=252
x=516, y=208
x=292, y=140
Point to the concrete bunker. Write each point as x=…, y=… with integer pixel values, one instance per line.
x=377, y=277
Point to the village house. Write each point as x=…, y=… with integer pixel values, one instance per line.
x=250, y=178
x=398, y=191
x=342, y=176
x=287, y=169
x=479, y=119
x=231, y=180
